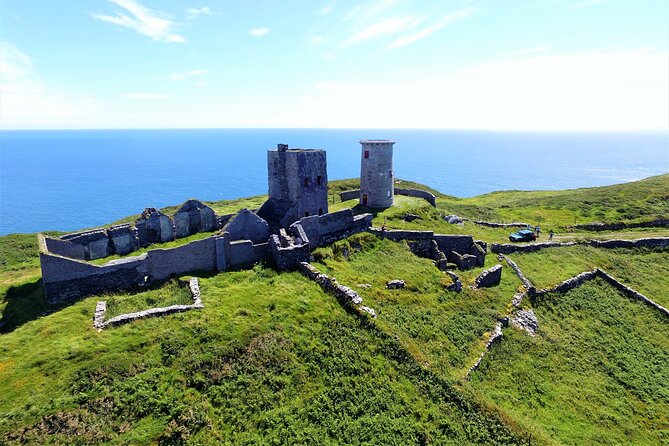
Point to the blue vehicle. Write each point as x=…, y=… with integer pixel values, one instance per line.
x=524, y=235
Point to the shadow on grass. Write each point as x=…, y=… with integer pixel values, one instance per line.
x=25, y=303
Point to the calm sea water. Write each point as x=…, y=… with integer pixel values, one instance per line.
x=67, y=180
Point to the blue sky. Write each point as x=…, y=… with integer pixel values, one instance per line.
x=467, y=64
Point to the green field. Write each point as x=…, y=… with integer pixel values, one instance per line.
x=272, y=359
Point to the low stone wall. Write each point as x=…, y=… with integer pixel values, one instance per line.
x=507, y=248
x=99, y=321
x=580, y=279
x=491, y=224
x=661, y=222
x=345, y=295
x=632, y=294
x=526, y=282
x=656, y=242
x=349, y=195
x=430, y=198
x=495, y=336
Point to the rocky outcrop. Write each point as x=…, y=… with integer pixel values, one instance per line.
x=489, y=277
x=395, y=284
x=525, y=320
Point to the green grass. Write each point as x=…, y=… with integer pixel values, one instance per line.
x=441, y=328
x=636, y=201
x=271, y=359
x=173, y=292
x=645, y=270
x=597, y=373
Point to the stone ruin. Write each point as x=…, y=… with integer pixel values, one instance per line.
x=290, y=224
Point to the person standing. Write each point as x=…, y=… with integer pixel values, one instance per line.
x=550, y=235
x=538, y=230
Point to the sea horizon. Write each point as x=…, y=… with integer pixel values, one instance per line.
x=73, y=179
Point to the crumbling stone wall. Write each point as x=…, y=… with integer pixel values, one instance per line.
x=154, y=227
x=95, y=242
x=324, y=229
x=247, y=226
x=99, y=321
x=192, y=217
x=459, y=249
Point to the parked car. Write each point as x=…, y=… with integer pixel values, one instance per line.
x=524, y=235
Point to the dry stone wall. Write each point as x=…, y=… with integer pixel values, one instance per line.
x=430, y=198
x=99, y=321
x=657, y=242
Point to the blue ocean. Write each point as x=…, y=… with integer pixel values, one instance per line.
x=68, y=180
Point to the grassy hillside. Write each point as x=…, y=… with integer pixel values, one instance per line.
x=271, y=359
x=597, y=373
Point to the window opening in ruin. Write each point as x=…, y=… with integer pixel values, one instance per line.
x=366, y=153
x=364, y=200
x=390, y=174
x=306, y=182
x=318, y=180
x=320, y=210
x=388, y=194
x=306, y=214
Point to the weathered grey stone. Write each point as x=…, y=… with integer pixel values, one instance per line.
x=154, y=227
x=525, y=320
x=454, y=219
x=123, y=239
x=247, y=226
x=395, y=284
x=377, y=188
x=411, y=217
x=182, y=225
x=490, y=277
x=298, y=185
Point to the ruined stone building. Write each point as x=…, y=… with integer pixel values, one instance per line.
x=376, y=173
x=298, y=185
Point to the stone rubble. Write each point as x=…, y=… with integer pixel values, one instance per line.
x=525, y=320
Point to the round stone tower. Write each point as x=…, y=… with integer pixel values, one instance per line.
x=376, y=173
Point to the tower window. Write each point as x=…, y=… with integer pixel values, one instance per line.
x=318, y=180
x=366, y=153
x=306, y=182
x=390, y=174
x=320, y=211
x=388, y=194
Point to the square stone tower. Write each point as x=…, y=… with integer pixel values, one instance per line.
x=377, y=188
x=298, y=184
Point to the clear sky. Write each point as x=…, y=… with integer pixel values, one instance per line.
x=464, y=64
